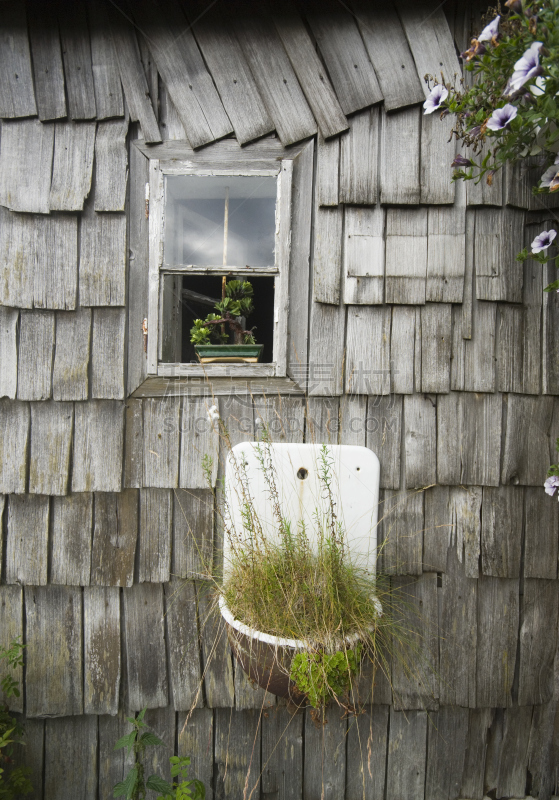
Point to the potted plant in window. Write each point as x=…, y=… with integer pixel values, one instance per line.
x=210, y=337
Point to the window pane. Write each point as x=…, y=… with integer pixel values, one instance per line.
x=195, y=215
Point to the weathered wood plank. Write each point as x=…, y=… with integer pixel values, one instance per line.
x=363, y=264
x=325, y=756
x=469, y=439
x=216, y=653
x=101, y=649
x=446, y=253
x=402, y=342
x=25, y=165
x=345, y=56
x=70, y=380
x=367, y=740
x=474, y=763
x=98, y=440
x=14, y=436
x=71, y=535
x=114, y=538
x=467, y=299
x=113, y=766
x=8, y=352
x=457, y=636
x=17, y=98
x=154, y=546
x=538, y=641
x=420, y=440
x=282, y=753
x=389, y=51
x=248, y=694
x=446, y=745
x=72, y=165
x=407, y=752
x=368, y=350
x=541, y=535
x=16, y=285
x=473, y=357
x=384, y=430
x=193, y=533
x=102, y=258
x=436, y=153
x=550, y=326
x=513, y=757
x=327, y=255
x=284, y=417
x=497, y=630
x=312, y=76
x=406, y=255
x=452, y=519
x=322, y=422
x=275, y=78
x=499, y=237
x=11, y=627
x=438, y=531
x=327, y=171
x=432, y=45
x=237, y=753
x=134, y=444
x=137, y=270
x=195, y=740
x=27, y=539
x=436, y=336
x=71, y=757
x=199, y=439
x=541, y=756
x=54, y=260
x=183, y=71
x=161, y=442
x=501, y=531
x=107, y=353
x=325, y=355
x=36, y=346
x=400, y=132
x=76, y=51
x=526, y=437
x=51, y=435
x=111, y=162
x=132, y=75
x=47, y=62
x=353, y=418
x=104, y=64
x=183, y=643
x=400, y=535
x=145, y=646
x=54, y=651
x=359, y=159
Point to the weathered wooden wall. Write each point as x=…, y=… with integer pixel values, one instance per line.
x=417, y=335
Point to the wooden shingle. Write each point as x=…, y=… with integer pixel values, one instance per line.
x=76, y=51
x=436, y=153
x=359, y=159
x=182, y=636
x=368, y=350
x=154, y=545
x=327, y=171
x=111, y=162
x=526, y=437
x=16, y=286
x=134, y=444
x=25, y=165
x=11, y=627
x=98, y=440
x=501, y=531
x=363, y=256
x=511, y=775
x=216, y=653
x=70, y=755
x=325, y=354
x=420, y=440
x=104, y=64
x=137, y=270
x=446, y=745
x=406, y=255
x=70, y=380
x=325, y=763
x=14, y=436
x=8, y=352
x=51, y=438
x=282, y=753
x=407, y=751
x=114, y=538
x=489, y=190
x=400, y=535
x=55, y=261
x=161, y=442
x=71, y=535
x=146, y=657
x=17, y=98
x=47, y=62
x=389, y=51
x=446, y=253
x=541, y=535
x=237, y=753
x=195, y=740
x=102, y=667
x=473, y=358
x=367, y=742
x=72, y=165
x=399, y=157
x=436, y=335
x=538, y=641
x=327, y=256
x=199, y=441
x=54, y=651
x=384, y=432
x=107, y=353
x=27, y=541
x=498, y=240
x=102, y=258
x=497, y=630
x=402, y=346
x=473, y=776
x=193, y=525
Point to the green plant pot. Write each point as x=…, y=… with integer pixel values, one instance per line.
x=228, y=353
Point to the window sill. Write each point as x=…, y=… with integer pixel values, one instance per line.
x=206, y=383
x=216, y=370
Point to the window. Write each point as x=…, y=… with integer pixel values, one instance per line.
x=210, y=220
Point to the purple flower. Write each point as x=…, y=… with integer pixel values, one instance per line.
x=525, y=68
x=543, y=241
x=460, y=161
x=550, y=174
x=490, y=31
x=435, y=100
x=551, y=484
x=476, y=48
x=501, y=117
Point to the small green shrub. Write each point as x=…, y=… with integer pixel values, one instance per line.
x=14, y=781
x=321, y=676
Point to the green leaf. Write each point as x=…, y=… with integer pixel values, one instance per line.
x=142, y=714
x=126, y=788
x=552, y=286
x=149, y=738
x=126, y=741
x=157, y=784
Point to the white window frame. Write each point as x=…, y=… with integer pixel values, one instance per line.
x=158, y=170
